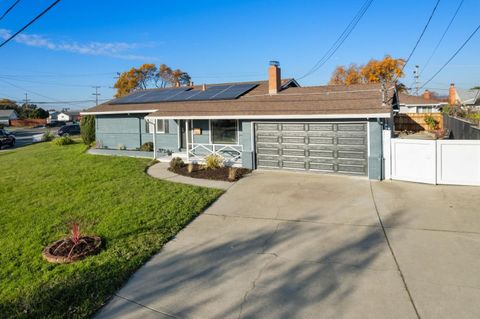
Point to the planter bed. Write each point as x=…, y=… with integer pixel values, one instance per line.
x=218, y=174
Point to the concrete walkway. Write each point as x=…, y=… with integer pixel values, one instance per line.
x=160, y=171
x=291, y=245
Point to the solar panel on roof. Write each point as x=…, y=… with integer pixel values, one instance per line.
x=150, y=96
x=216, y=92
x=234, y=91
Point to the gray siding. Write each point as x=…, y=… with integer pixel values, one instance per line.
x=205, y=127
x=114, y=131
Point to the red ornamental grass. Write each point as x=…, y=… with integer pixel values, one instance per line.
x=75, y=234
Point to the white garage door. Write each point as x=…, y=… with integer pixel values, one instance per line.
x=327, y=147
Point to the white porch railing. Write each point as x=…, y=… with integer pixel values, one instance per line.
x=231, y=153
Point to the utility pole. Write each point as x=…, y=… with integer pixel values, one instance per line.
x=96, y=87
x=416, y=76
x=26, y=99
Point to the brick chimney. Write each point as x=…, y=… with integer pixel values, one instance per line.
x=426, y=95
x=274, y=77
x=452, y=95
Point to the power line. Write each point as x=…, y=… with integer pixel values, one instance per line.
x=421, y=35
x=453, y=56
x=336, y=45
x=443, y=36
x=23, y=89
x=29, y=24
x=9, y=9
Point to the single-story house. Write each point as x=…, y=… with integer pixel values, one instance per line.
x=6, y=116
x=69, y=116
x=273, y=124
x=425, y=103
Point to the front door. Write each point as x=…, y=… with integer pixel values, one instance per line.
x=183, y=135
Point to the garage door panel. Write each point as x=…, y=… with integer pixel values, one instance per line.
x=320, y=127
x=351, y=127
x=322, y=167
x=268, y=151
x=352, y=154
x=328, y=147
x=293, y=140
x=263, y=157
x=267, y=145
x=322, y=147
x=295, y=165
x=352, y=169
x=268, y=133
x=294, y=152
x=351, y=141
x=294, y=133
x=267, y=127
x=320, y=140
x=323, y=160
x=265, y=163
x=293, y=127
x=268, y=139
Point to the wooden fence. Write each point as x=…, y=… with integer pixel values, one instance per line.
x=28, y=122
x=416, y=121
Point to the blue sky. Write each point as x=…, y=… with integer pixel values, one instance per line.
x=79, y=44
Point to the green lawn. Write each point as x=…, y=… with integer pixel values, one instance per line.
x=44, y=187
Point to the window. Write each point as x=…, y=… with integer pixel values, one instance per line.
x=224, y=131
x=149, y=126
x=160, y=126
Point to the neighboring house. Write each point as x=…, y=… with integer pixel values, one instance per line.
x=68, y=116
x=469, y=98
x=53, y=116
x=420, y=104
x=6, y=116
x=274, y=124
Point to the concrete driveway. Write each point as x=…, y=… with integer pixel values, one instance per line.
x=292, y=245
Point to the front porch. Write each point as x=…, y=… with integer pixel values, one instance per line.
x=198, y=139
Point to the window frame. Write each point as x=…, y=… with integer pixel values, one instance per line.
x=151, y=128
x=237, y=132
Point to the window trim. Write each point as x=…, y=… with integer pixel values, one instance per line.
x=237, y=132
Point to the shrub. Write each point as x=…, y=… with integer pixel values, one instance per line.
x=176, y=162
x=147, y=147
x=87, y=129
x=47, y=136
x=64, y=140
x=213, y=161
x=431, y=122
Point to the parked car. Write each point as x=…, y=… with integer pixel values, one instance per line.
x=56, y=124
x=70, y=129
x=6, y=138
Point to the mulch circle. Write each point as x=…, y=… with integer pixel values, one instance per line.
x=218, y=174
x=65, y=251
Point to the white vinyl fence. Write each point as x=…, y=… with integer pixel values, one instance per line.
x=455, y=162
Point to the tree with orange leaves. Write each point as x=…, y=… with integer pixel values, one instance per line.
x=148, y=75
x=374, y=71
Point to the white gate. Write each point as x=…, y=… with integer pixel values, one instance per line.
x=413, y=160
x=455, y=162
x=458, y=162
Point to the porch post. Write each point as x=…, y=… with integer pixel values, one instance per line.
x=186, y=139
x=154, y=139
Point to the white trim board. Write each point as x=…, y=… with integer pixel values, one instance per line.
x=275, y=117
